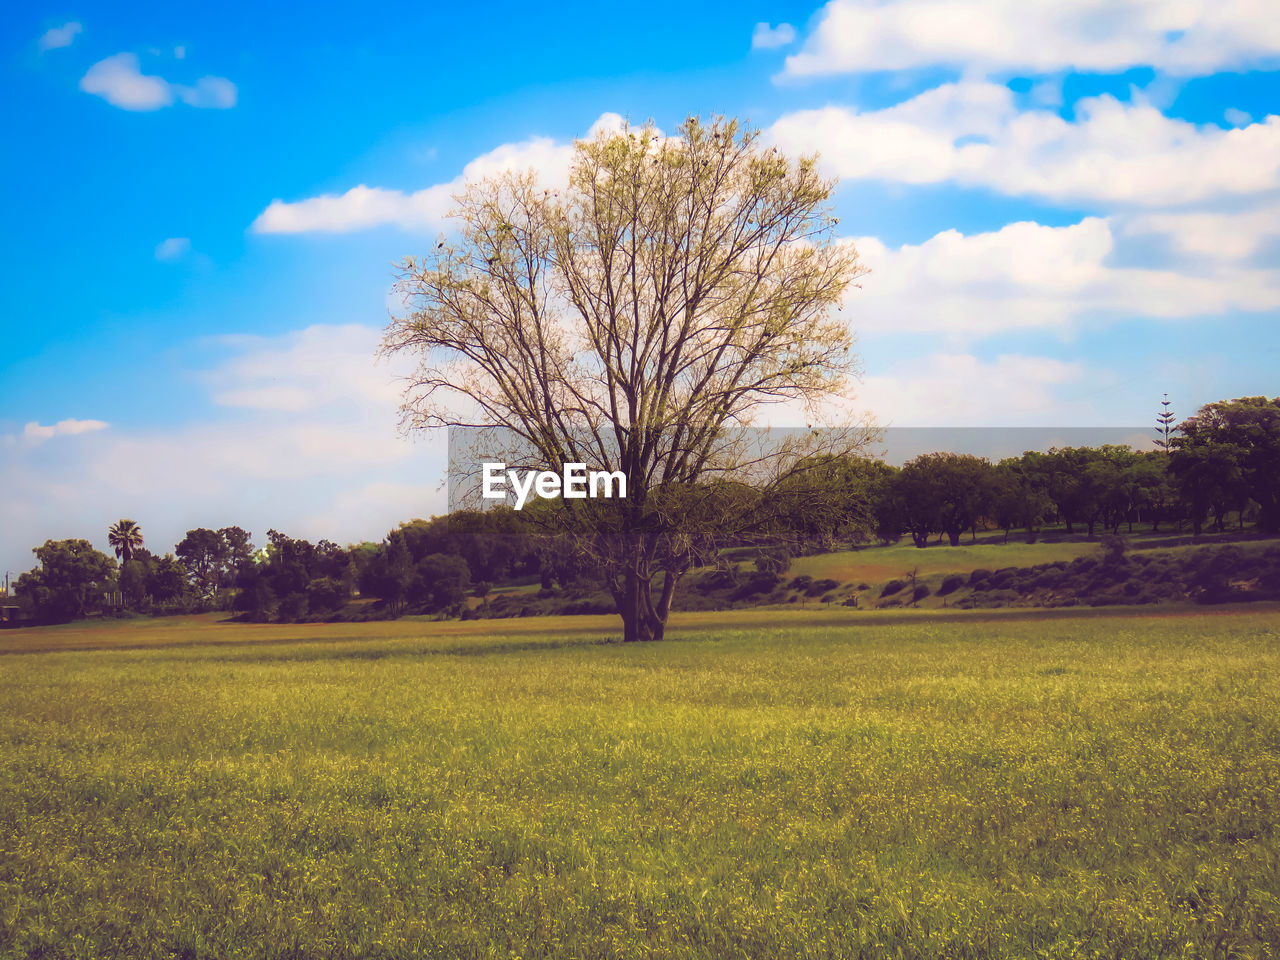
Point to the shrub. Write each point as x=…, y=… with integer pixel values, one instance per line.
x=951, y=584
x=892, y=587
x=978, y=576
x=1114, y=546
x=919, y=593
x=759, y=582
x=293, y=607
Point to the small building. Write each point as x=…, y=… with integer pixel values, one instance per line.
x=11, y=614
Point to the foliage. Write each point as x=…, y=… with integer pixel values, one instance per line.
x=943, y=493
x=69, y=581
x=1229, y=452
x=633, y=322
x=214, y=558
x=125, y=537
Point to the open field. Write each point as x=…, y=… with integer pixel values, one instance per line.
x=876, y=564
x=818, y=783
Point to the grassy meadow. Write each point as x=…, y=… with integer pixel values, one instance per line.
x=766, y=783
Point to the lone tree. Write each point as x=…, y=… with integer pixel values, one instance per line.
x=635, y=320
x=125, y=537
x=1165, y=425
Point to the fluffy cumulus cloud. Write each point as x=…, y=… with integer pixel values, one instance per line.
x=309, y=370
x=1031, y=276
x=120, y=81
x=306, y=441
x=1238, y=235
x=363, y=207
x=1177, y=36
x=960, y=389
x=973, y=134
x=62, y=36
x=765, y=37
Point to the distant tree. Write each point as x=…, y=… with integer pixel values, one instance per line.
x=439, y=581
x=203, y=553
x=326, y=595
x=236, y=553
x=822, y=501
x=389, y=574
x=254, y=596
x=69, y=582
x=1164, y=425
x=133, y=583
x=1075, y=480
x=167, y=579
x=125, y=536
x=1018, y=497
x=1208, y=472
x=1245, y=434
x=944, y=493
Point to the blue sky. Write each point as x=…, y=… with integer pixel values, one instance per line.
x=1068, y=210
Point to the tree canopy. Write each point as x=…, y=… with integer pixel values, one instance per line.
x=636, y=320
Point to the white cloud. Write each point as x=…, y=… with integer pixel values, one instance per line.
x=1237, y=235
x=972, y=133
x=953, y=389
x=35, y=432
x=307, y=370
x=172, y=248
x=120, y=81
x=765, y=37
x=1188, y=37
x=363, y=207
x=1030, y=276
x=209, y=93
x=62, y=36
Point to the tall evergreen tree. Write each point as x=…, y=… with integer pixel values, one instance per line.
x=1164, y=425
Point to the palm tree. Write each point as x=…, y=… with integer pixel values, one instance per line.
x=126, y=537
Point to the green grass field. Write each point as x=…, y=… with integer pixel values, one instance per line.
x=876, y=564
x=773, y=784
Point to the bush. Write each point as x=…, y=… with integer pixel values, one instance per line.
x=919, y=593
x=820, y=587
x=326, y=595
x=978, y=576
x=892, y=587
x=1114, y=546
x=951, y=584
x=292, y=608
x=758, y=583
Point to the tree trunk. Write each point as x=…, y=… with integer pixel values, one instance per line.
x=642, y=619
x=953, y=537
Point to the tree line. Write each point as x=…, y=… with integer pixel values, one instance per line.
x=1222, y=467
